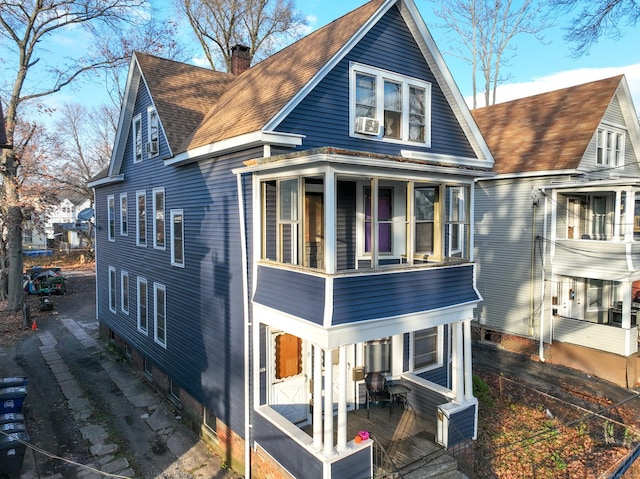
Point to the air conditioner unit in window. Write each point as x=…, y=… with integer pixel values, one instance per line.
x=368, y=126
x=152, y=147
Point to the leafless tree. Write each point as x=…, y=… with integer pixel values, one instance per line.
x=485, y=29
x=597, y=18
x=24, y=28
x=264, y=26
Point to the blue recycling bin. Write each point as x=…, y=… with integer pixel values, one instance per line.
x=11, y=417
x=13, y=381
x=12, y=449
x=12, y=427
x=12, y=399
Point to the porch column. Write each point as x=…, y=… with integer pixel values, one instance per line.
x=629, y=212
x=468, y=371
x=458, y=362
x=317, y=397
x=342, y=399
x=328, y=403
x=616, y=219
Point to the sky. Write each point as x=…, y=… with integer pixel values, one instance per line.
x=536, y=67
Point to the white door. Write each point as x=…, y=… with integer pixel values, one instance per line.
x=289, y=391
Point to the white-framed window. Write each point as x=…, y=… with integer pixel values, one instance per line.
x=160, y=314
x=152, y=132
x=124, y=220
x=141, y=216
x=112, y=289
x=595, y=294
x=137, y=138
x=177, y=237
x=609, y=147
x=425, y=202
x=384, y=220
x=377, y=356
x=143, y=309
x=388, y=106
x=158, y=218
x=457, y=221
x=124, y=292
x=111, y=217
x=425, y=349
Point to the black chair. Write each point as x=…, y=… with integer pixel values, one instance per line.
x=376, y=389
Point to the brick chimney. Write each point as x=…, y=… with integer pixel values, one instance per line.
x=240, y=60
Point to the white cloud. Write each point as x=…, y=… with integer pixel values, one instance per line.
x=568, y=78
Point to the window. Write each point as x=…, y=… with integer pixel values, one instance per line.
x=111, y=217
x=377, y=356
x=599, y=219
x=112, y=289
x=609, y=147
x=385, y=219
x=425, y=199
x=595, y=295
x=137, y=139
x=457, y=222
x=282, y=224
x=143, y=311
x=158, y=218
x=124, y=221
x=160, y=314
x=124, y=292
x=400, y=104
x=424, y=350
x=177, y=238
x=141, y=224
x=152, y=127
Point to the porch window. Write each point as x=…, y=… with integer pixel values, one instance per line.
x=595, y=295
x=457, y=221
x=425, y=200
x=281, y=238
x=599, y=219
x=385, y=218
x=636, y=220
x=424, y=350
x=288, y=349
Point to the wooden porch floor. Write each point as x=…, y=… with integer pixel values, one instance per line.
x=405, y=436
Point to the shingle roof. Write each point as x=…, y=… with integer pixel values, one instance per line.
x=261, y=92
x=545, y=132
x=182, y=93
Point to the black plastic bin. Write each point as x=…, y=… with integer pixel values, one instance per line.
x=12, y=449
x=14, y=381
x=11, y=417
x=11, y=399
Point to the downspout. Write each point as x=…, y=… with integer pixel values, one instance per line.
x=543, y=280
x=535, y=200
x=247, y=328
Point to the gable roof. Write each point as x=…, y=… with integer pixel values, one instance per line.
x=181, y=93
x=545, y=132
x=261, y=92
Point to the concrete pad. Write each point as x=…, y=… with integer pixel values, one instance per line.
x=103, y=449
x=63, y=376
x=116, y=465
x=57, y=368
x=51, y=356
x=146, y=399
x=94, y=434
x=71, y=389
x=194, y=455
x=161, y=419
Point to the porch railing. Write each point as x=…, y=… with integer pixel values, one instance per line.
x=383, y=465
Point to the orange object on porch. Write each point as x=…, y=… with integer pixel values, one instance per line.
x=34, y=326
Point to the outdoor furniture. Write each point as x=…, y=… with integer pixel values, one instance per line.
x=376, y=389
x=397, y=394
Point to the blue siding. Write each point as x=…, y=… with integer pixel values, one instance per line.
x=355, y=466
x=288, y=453
x=461, y=426
x=204, y=299
x=323, y=116
x=366, y=297
x=298, y=294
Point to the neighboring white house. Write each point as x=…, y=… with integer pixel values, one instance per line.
x=62, y=223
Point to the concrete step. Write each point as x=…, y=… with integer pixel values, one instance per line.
x=442, y=467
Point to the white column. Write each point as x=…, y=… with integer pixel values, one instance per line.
x=468, y=372
x=342, y=399
x=317, y=397
x=458, y=356
x=328, y=403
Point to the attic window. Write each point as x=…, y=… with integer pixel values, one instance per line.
x=389, y=107
x=137, y=139
x=609, y=147
x=152, y=127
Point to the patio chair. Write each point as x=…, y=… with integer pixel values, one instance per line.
x=376, y=390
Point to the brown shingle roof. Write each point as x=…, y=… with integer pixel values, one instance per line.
x=262, y=91
x=550, y=131
x=182, y=93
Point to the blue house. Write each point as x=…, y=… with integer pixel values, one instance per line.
x=269, y=238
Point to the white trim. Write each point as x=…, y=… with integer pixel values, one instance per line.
x=113, y=289
x=140, y=194
x=123, y=275
x=140, y=280
x=134, y=138
x=151, y=110
x=106, y=181
x=159, y=287
x=248, y=140
x=172, y=214
x=123, y=196
x=155, y=191
x=439, y=351
x=445, y=159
